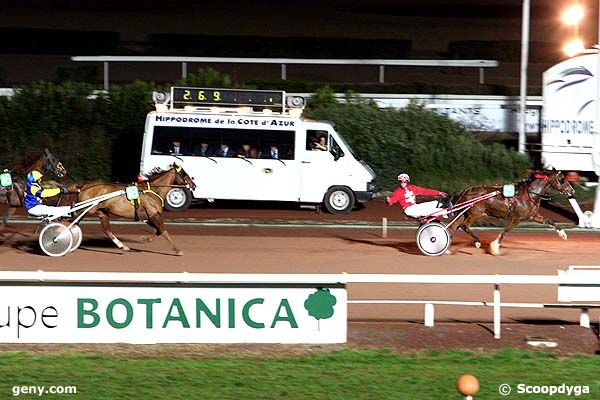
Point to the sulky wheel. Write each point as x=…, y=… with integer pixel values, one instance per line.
x=56, y=239
x=77, y=237
x=433, y=239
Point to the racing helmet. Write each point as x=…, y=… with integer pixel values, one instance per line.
x=34, y=176
x=403, y=178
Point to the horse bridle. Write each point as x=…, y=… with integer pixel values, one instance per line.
x=183, y=175
x=561, y=181
x=51, y=163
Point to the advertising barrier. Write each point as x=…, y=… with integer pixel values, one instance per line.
x=130, y=314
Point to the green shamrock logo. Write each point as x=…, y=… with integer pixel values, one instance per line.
x=320, y=305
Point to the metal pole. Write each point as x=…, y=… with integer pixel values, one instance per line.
x=283, y=72
x=481, y=80
x=524, y=60
x=183, y=70
x=106, y=75
x=381, y=74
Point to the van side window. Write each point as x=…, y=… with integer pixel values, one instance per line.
x=211, y=142
x=317, y=140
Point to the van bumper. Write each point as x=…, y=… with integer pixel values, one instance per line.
x=363, y=197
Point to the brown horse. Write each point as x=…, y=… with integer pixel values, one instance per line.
x=151, y=201
x=523, y=206
x=13, y=195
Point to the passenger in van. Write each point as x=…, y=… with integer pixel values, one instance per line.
x=203, y=150
x=225, y=151
x=176, y=148
x=321, y=144
x=272, y=153
x=245, y=152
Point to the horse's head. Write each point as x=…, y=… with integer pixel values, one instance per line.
x=52, y=164
x=556, y=180
x=182, y=177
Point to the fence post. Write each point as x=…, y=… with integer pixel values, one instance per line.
x=429, y=314
x=497, y=314
x=106, y=76
x=384, y=227
x=584, y=318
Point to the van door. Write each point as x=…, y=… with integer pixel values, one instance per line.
x=318, y=168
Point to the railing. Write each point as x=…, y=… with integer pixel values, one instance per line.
x=579, y=283
x=284, y=62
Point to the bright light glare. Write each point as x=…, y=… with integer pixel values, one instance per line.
x=573, y=15
x=574, y=47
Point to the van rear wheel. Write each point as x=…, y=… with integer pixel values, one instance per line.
x=178, y=199
x=339, y=200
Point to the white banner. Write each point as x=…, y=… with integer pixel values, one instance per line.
x=67, y=314
x=570, y=113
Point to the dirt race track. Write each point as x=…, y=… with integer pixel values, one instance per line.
x=349, y=245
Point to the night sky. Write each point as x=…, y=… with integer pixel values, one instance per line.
x=430, y=24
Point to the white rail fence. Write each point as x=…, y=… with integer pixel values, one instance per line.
x=578, y=283
x=284, y=62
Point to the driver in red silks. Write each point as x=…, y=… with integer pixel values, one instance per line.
x=406, y=195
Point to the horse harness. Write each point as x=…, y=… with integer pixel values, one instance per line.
x=137, y=200
x=527, y=195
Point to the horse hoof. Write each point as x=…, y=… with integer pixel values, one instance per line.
x=562, y=234
x=146, y=239
x=448, y=253
x=477, y=245
x=125, y=248
x=179, y=253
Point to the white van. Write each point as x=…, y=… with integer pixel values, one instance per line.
x=252, y=145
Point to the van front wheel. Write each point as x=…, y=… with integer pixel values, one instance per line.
x=178, y=199
x=339, y=200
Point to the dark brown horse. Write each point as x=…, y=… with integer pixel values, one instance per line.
x=152, y=195
x=13, y=195
x=525, y=205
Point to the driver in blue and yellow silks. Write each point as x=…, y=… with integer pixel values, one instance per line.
x=34, y=194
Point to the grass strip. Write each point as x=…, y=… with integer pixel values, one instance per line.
x=356, y=374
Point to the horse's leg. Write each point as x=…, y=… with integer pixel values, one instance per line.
x=105, y=222
x=156, y=222
x=495, y=245
x=466, y=226
x=540, y=219
x=7, y=215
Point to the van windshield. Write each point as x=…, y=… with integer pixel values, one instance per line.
x=343, y=140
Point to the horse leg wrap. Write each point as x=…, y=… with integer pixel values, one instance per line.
x=495, y=247
x=562, y=234
x=118, y=243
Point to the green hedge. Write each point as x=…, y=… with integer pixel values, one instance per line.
x=101, y=138
x=392, y=88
